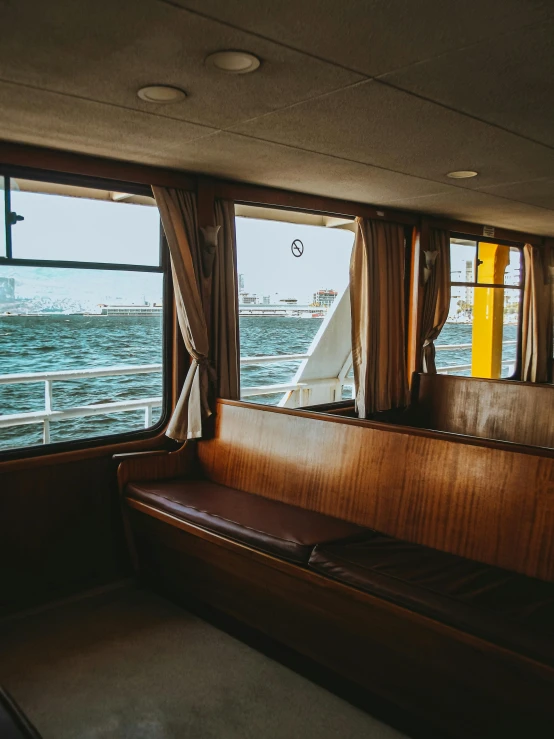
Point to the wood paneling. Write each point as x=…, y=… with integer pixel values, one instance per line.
x=490, y=504
x=66, y=162
x=520, y=412
x=269, y=196
x=464, y=685
x=476, y=229
x=60, y=531
x=155, y=465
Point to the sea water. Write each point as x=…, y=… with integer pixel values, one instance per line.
x=48, y=342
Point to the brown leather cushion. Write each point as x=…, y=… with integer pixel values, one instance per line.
x=278, y=528
x=506, y=608
x=13, y=722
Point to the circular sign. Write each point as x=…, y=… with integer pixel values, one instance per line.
x=297, y=248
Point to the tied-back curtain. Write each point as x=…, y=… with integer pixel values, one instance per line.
x=377, y=308
x=225, y=307
x=180, y=222
x=436, y=297
x=536, y=335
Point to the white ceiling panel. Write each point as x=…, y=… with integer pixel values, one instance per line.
x=508, y=81
x=536, y=192
x=379, y=125
x=479, y=207
x=372, y=36
x=259, y=162
x=309, y=119
x=105, y=51
x=45, y=119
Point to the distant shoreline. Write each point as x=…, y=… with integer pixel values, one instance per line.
x=52, y=314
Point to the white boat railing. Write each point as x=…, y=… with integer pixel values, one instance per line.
x=279, y=388
x=335, y=382
x=273, y=359
x=457, y=368
x=49, y=414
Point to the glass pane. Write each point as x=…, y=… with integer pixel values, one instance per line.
x=2, y=220
x=463, y=254
x=479, y=338
x=63, y=320
x=514, y=271
x=498, y=264
x=80, y=224
x=285, y=304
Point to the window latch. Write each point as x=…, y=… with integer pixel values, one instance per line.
x=15, y=218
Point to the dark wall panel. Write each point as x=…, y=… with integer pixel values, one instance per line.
x=60, y=531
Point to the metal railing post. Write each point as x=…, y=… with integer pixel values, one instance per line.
x=48, y=409
x=148, y=416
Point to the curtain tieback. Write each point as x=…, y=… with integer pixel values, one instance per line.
x=207, y=365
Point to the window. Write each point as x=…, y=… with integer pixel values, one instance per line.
x=481, y=335
x=294, y=307
x=81, y=313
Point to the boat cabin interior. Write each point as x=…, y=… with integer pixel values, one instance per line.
x=276, y=369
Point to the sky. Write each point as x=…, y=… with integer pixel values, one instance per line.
x=64, y=228
x=77, y=229
x=268, y=265
x=80, y=229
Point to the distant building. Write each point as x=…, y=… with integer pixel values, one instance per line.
x=247, y=299
x=324, y=298
x=241, y=283
x=7, y=289
x=131, y=310
x=469, y=278
x=266, y=300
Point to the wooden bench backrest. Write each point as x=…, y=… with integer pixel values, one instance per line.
x=484, y=502
x=491, y=409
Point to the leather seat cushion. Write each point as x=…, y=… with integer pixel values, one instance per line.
x=507, y=608
x=286, y=531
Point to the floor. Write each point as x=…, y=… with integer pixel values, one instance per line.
x=132, y=665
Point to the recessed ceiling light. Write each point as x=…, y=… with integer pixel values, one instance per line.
x=233, y=62
x=462, y=174
x=161, y=94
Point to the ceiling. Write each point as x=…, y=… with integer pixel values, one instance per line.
x=360, y=99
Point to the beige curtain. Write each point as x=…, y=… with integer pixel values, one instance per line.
x=436, y=296
x=180, y=222
x=224, y=332
x=536, y=336
x=377, y=296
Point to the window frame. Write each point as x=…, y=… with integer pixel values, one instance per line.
x=163, y=268
x=516, y=376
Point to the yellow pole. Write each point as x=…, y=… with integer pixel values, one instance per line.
x=488, y=312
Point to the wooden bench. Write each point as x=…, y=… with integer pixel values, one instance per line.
x=490, y=504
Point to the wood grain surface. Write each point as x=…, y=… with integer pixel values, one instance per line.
x=521, y=412
x=491, y=504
